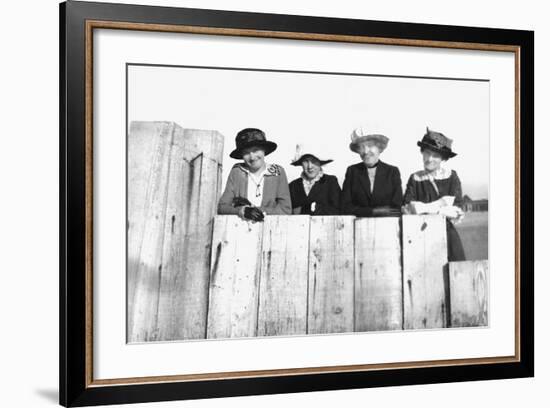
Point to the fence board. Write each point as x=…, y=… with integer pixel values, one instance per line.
x=234, y=276
x=143, y=138
x=378, y=275
x=191, y=207
x=424, y=263
x=331, y=280
x=469, y=292
x=142, y=325
x=284, y=276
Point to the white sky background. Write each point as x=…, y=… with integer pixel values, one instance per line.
x=320, y=112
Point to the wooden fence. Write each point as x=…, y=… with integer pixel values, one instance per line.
x=310, y=275
x=194, y=275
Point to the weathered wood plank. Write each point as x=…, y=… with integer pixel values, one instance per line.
x=331, y=280
x=424, y=263
x=469, y=290
x=234, y=278
x=142, y=141
x=284, y=276
x=142, y=323
x=378, y=275
x=192, y=198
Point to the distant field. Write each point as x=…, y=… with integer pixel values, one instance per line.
x=474, y=232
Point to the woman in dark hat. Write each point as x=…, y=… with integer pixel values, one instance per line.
x=436, y=189
x=314, y=192
x=371, y=188
x=254, y=188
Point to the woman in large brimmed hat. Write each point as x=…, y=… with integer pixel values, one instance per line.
x=371, y=188
x=436, y=189
x=314, y=192
x=254, y=188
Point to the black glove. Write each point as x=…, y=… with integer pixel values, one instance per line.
x=386, y=212
x=240, y=201
x=253, y=213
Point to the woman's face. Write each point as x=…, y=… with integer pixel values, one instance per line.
x=311, y=168
x=432, y=160
x=254, y=158
x=369, y=152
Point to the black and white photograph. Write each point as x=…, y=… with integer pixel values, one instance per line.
x=291, y=203
x=261, y=203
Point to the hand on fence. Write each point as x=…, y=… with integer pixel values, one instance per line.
x=455, y=214
x=253, y=214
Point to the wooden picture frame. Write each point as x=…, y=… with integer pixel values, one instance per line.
x=78, y=20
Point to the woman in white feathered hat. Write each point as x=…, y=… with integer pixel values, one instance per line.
x=314, y=192
x=371, y=188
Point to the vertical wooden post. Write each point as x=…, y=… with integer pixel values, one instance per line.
x=145, y=269
x=331, y=281
x=284, y=276
x=234, y=277
x=378, y=275
x=144, y=140
x=192, y=203
x=170, y=300
x=469, y=289
x=424, y=263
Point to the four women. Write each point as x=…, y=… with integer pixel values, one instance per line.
x=371, y=188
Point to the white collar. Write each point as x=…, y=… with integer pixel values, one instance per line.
x=441, y=174
x=314, y=180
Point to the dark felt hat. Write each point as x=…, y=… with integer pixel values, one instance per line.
x=437, y=142
x=251, y=137
x=300, y=156
x=307, y=156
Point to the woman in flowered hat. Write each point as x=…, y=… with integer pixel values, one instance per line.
x=255, y=188
x=436, y=189
x=314, y=192
x=371, y=188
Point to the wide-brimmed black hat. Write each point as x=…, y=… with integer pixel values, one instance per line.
x=300, y=156
x=437, y=142
x=298, y=161
x=250, y=137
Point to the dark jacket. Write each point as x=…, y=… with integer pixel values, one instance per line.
x=325, y=193
x=275, y=200
x=357, y=198
x=421, y=188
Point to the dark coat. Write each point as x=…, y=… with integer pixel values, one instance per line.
x=420, y=188
x=357, y=198
x=325, y=193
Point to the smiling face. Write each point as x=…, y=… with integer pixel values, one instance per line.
x=311, y=167
x=254, y=158
x=432, y=160
x=369, y=152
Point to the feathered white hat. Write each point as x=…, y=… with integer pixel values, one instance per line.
x=360, y=135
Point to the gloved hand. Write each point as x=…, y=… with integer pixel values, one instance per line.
x=385, y=212
x=240, y=201
x=253, y=214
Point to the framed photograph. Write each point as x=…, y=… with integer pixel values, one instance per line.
x=258, y=203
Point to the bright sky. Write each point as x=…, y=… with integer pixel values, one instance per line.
x=320, y=111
